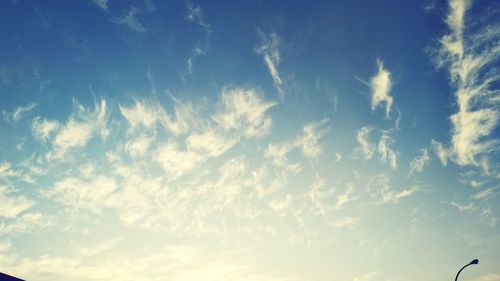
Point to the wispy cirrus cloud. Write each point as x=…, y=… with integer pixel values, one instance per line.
x=383, y=147
x=103, y=4
x=367, y=148
x=270, y=51
x=418, y=164
x=308, y=142
x=195, y=15
x=243, y=110
x=131, y=18
x=470, y=51
x=18, y=112
x=13, y=205
x=381, y=85
x=42, y=128
x=78, y=130
x=441, y=151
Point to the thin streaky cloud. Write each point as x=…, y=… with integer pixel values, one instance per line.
x=103, y=4
x=269, y=48
x=381, y=86
x=417, y=165
x=470, y=56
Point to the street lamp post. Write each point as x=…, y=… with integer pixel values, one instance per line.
x=475, y=261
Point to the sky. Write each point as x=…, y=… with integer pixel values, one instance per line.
x=249, y=140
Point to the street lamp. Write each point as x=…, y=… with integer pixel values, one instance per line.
x=475, y=261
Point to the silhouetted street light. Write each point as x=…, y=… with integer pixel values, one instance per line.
x=475, y=261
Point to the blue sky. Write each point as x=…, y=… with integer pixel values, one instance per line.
x=249, y=140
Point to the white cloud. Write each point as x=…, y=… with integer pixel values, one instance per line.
x=73, y=134
x=103, y=4
x=488, y=277
x=7, y=171
x=42, y=128
x=345, y=197
x=138, y=146
x=24, y=223
x=187, y=118
x=278, y=152
x=195, y=14
x=470, y=55
x=463, y=207
x=78, y=130
x=441, y=152
x=175, y=161
x=90, y=195
x=484, y=194
x=142, y=115
x=387, y=155
x=131, y=21
x=381, y=86
x=309, y=140
x=367, y=147
x=338, y=157
x=244, y=110
x=418, y=164
x=367, y=277
x=18, y=113
x=269, y=49
x=213, y=142
x=380, y=189
x=394, y=197
x=12, y=205
x=346, y=222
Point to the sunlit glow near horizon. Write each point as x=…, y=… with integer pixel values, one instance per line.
x=249, y=140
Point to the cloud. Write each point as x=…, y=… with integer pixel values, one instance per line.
x=18, y=113
x=488, y=277
x=347, y=222
x=195, y=14
x=7, y=171
x=138, y=146
x=42, y=128
x=463, y=207
x=269, y=49
x=380, y=189
x=142, y=115
x=367, y=147
x=81, y=126
x=25, y=222
x=387, y=155
x=103, y=4
x=80, y=194
x=131, y=20
x=367, y=277
x=483, y=195
x=381, y=86
x=244, y=111
x=12, y=205
x=309, y=141
x=418, y=164
x=73, y=134
x=441, y=152
x=213, y=142
x=345, y=197
x=175, y=161
x=470, y=54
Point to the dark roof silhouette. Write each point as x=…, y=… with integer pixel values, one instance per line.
x=5, y=277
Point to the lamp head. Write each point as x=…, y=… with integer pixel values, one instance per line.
x=475, y=261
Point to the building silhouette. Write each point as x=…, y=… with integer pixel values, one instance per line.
x=5, y=277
